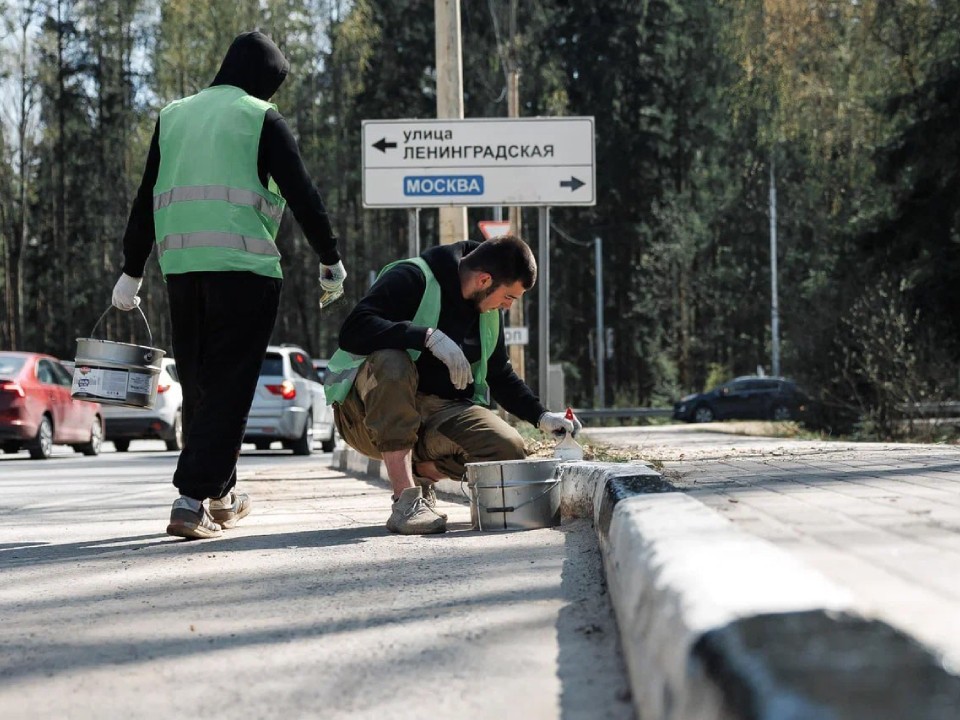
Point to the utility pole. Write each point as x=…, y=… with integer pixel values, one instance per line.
x=446, y=13
x=517, y=352
x=774, y=300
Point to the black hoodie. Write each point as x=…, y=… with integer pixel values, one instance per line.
x=254, y=64
x=382, y=320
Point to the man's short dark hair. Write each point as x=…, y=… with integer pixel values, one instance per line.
x=507, y=258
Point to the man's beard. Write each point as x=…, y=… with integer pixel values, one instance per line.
x=479, y=296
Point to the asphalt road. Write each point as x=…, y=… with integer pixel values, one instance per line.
x=308, y=609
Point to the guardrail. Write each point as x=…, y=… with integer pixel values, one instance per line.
x=594, y=413
x=946, y=409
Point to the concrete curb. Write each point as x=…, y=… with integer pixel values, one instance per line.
x=717, y=624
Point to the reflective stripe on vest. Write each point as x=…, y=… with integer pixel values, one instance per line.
x=257, y=246
x=343, y=367
x=235, y=196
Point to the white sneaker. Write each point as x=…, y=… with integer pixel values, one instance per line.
x=230, y=509
x=412, y=516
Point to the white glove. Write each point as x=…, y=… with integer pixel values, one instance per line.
x=331, y=282
x=450, y=354
x=556, y=423
x=125, y=292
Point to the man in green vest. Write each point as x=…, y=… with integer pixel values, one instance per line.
x=420, y=356
x=221, y=167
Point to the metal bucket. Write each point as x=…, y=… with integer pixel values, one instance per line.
x=514, y=494
x=115, y=373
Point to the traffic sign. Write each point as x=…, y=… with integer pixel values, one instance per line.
x=516, y=335
x=478, y=162
x=494, y=228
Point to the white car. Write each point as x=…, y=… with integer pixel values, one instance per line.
x=289, y=404
x=163, y=422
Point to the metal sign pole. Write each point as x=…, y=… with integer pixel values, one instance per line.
x=413, y=232
x=543, y=296
x=600, y=399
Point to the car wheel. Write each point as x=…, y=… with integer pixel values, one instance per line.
x=330, y=443
x=303, y=445
x=781, y=413
x=703, y=414
x=11, y=447
x=96, y=438
x=121, y=445
x=176, y=442
x=42, y=446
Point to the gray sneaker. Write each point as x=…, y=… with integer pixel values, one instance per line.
x=230, y=509
x=429, y=493
x=412, y=516
x=191, y=524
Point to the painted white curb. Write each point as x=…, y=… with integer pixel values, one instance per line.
x=716, y=624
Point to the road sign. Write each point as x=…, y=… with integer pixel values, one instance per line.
x=516, y=335
x=478, y=162
x=494, y=228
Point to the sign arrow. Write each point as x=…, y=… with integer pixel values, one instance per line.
x=573, y=183
x=382, y=145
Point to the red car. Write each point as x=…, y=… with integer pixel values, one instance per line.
x=37, y=410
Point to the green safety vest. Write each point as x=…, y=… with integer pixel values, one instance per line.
x=210, y=210
x=343, y=366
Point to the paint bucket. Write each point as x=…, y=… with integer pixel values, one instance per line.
x=115, y=373
x=514, y=494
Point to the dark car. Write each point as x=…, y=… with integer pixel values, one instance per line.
x=37, y=410
x=744, y=398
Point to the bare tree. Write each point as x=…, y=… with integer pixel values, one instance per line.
x=21, y=115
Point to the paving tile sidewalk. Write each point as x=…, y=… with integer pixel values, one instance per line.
x=882, y=521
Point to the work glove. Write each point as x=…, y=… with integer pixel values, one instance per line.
x=450, y=354
x=331, y=282
x=125, y=292
x=557, y=423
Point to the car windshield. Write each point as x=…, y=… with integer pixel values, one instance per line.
x=272, y=364
x=172, y=372
x=10, y=364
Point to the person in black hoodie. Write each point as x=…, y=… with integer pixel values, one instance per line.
x=221, y=167
x=420, y=356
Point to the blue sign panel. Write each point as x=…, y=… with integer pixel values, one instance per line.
x=433, y=185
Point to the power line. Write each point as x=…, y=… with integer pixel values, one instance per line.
x=569, y=238
x=503, y=60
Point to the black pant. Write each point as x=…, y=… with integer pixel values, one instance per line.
x=222, y=323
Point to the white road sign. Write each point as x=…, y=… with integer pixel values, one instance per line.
x=494, y=228
x=478, y=162
x=516, y=335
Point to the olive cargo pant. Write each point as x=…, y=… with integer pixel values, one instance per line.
x=385, y=413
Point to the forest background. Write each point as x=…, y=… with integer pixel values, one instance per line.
x=852, y=107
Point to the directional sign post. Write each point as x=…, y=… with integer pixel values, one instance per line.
x=478, y=162
x=484, y=162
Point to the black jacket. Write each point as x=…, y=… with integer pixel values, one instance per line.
x=382, y=320
x=254, y=64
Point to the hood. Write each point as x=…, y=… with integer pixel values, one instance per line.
x=444, y=260
x=253, y=64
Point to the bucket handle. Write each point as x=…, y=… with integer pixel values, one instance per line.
x=109, y=308
x=512, y=508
